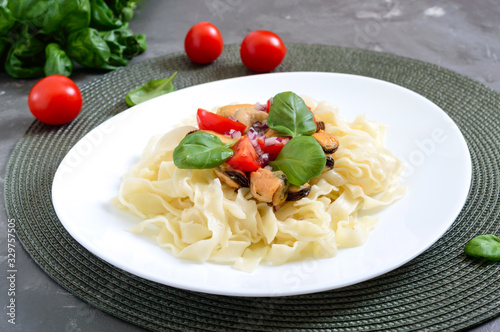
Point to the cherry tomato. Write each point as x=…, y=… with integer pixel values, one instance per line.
x=245, y=157
x=55, y=100
x=203, y=43
x=262, y=51
x=218, y=123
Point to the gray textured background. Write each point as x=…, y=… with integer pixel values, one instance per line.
x=463, y=36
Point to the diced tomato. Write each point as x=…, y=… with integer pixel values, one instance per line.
x=218, y=123
x=272, y=150
x=268, y=105
x=245, y=157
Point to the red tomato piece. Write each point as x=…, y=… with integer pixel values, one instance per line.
x=262, y=51
x=272, y=150
x=55, y=100
x=218, y=123
x=203, y=43
x=268, y=105
x=245, y=157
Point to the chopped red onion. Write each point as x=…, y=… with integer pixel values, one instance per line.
x=265, y=158
x=269, y=167
x=259, y=107
x=235, y=134
x=270, y=141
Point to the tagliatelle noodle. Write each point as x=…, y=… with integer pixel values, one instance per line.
x=196, y=217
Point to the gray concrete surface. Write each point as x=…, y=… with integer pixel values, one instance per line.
x=460, y=35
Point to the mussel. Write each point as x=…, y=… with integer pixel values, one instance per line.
x=248, y=116
x=297, y=192
x=328, y=141
x=320, y=125
x=229, y=110
x=232, y=177
x=268, y=186
x=330, y=162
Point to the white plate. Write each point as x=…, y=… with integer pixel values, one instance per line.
x=438, y=177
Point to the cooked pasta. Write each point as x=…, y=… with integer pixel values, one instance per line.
x=199, y=218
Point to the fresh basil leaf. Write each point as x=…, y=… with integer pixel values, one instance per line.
x=301, y=159
x=201, y=150
x=102, y=17
x=66, y=16
x=150, y=90
x=123, y=44
x=26, y=57
x=124, y=9
x=289, y=115
x=57, y=61
x=32, y=11
x=7, y=21
x=484, y=246
x=86, y=47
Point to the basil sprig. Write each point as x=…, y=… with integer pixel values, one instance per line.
x=289, y=115
x=201, y=150
x=150, y=90
x=484, y=246
x=301, y=159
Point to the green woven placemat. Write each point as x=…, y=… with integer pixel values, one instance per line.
x=441, y=289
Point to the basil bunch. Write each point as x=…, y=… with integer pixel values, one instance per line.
x=484, y=246
x=45, y=37
x=302, y=158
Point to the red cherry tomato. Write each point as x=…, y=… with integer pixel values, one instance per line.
x=55, y=100
x=245, y=157
x=218, y=123
x=203, y=43
x=262, y=51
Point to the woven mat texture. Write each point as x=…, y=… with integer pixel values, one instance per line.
x=441, y=289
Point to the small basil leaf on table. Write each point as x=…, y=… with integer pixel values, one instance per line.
x=289, y=115
x=301, y=159
x=57, y=61
x=150, y=90
x=484, y=246
x=201, y=150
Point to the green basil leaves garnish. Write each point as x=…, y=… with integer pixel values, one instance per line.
x=150, y=90
x=289, y=115
x=58, y=62
x=301, y=159
x=484, y=246
x=201, y=150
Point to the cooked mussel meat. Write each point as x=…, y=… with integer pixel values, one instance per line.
x=328, y=141
x=249, y=115
x=297, y=192
x=268, y=186
x=320, y=125
x=229, y=110
x=330, y=162
x=232, y=177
